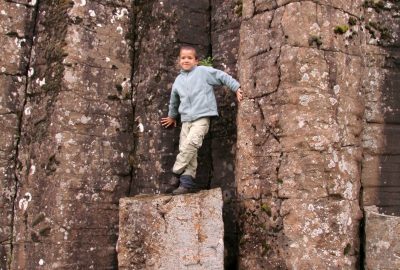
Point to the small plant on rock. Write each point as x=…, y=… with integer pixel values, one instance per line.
x=341, y=29
x=352, y=21
x=315, y=40
x=208, y=61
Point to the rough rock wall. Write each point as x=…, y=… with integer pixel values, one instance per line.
x=75, y=137
x=225, y=24
x=299, y=146
x=298, y=164
x=381, y=160
x=16, y=30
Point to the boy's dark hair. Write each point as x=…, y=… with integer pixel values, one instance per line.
x=189, y=48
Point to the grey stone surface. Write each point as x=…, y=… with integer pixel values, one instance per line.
x=381, y=159
x=225, y=25
x=382, y=243
x=320, y=118
x=299, y=147
x=76, y=137
x=16, y=27
x=171, y=232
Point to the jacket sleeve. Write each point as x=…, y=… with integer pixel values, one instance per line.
x=173, y=104
x=218, y=77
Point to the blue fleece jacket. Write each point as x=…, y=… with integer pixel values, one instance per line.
x=192, y=93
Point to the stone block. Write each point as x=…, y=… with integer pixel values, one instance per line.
x=382, y=245
x=171, y=232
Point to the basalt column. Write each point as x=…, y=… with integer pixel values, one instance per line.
x=161, y=28
x=16, y=28
x=225, y=24
x=381, y=159
x=76, y=137
x=299, y=146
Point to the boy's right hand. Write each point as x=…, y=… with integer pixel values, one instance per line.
x=168, y=121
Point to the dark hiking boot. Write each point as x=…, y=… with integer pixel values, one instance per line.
x=173, y=183
x=183, y=190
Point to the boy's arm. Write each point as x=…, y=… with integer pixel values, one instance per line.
x=173, y=104
x=173, y=110
x=218, y=77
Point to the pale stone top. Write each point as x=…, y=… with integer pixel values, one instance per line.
x=172, y=232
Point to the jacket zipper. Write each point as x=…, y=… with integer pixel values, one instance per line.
x=187, y=88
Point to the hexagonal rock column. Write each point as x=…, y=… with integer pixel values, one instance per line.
x=382, y=248
x=171, y=232
x=16, y=30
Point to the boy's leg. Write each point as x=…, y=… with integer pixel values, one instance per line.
x=191, y=168
x=190, y=142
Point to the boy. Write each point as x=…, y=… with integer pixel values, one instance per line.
x=193, y=97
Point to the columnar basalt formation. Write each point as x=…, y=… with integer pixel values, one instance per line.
x=225, y=24
x=16, y=29
x=381, y=160
x=172, y=232
x=161, y=28
x=299, y=147
x=76, y=137
x=319, y=122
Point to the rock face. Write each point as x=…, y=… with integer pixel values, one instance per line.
x=76, y=137
x=382, y=246
x=16, y=30
x=83, y=85
x=225, y=24
x=299, y=146
x=171, y=232
x=381, y=153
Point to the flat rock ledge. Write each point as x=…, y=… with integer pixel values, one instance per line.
x=171, y=232
x=382, y=243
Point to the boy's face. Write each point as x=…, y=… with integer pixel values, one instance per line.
x=187, y=59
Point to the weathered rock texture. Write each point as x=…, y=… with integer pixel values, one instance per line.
x=225, y=24
x=382, y=245
x=76, y=137
x=299, y=146
x=319, y=119
x=381, y=156
x=172, y=232
x=16, y=29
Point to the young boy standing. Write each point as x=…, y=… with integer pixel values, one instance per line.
x=193, y=98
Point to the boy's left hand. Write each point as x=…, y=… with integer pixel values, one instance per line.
x=239, y=95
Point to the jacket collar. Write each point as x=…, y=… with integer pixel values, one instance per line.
x=187, y=71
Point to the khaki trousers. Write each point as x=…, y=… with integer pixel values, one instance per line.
x=190, y=140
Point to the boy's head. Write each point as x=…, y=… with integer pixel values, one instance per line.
x=188, y=58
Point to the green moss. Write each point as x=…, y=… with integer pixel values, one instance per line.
x=315, y=40
x=119, y=88
x=265, y=248
x=38, y=219
x=45, y=231
x=208, y=61
x=377, y=5
x=238, y=7
x=280, y=181
x=265, y=208
x=341, y=29
x=347, y=249
x=352, y=21
x=12, y=34
x=385, y=33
